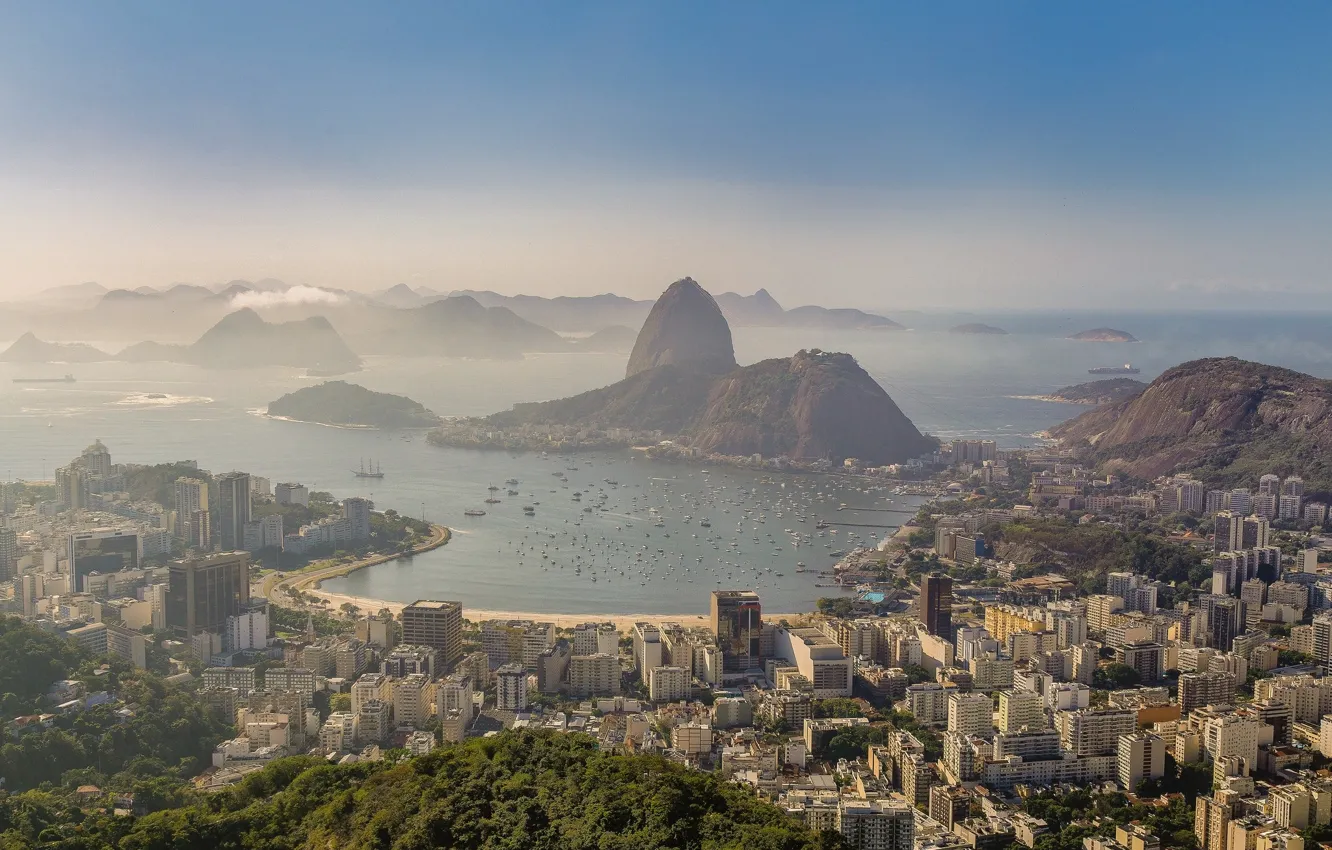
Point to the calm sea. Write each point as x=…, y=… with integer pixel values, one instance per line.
x=950, y=385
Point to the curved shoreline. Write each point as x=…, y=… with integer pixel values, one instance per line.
x=275, y=586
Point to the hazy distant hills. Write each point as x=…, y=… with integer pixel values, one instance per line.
x=400, y=320
x=455, y=327
x=594, y=312
x=29, y=349
x=240, y=340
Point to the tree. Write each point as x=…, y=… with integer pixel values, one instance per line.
x=1115, y=676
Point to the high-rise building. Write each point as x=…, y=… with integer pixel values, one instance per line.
x=1225, y=619
x=511, y=688
x=435, y=624
x=233, y=509
x=1120, y=583
x=203, y=592
x=971, y=714
x=876, y=824
x=357, y=511
x=291, y=494
x=1020, y=709
x=1095, y=732
x=1293, y=486
x=103, y=550
x=1140, y=756
x=647, y=648
x=737, y=624
x=1199, y=689
x=596, y=675
x=1145, y=656
x=936, y=605
x=668, y=684
x=1255, y=533
x=9, y=554
x=1228, y=528
x=72, y=486
x=191, y=500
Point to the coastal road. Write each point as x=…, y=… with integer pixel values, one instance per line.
x=275, y=586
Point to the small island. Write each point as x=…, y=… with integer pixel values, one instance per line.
x=1098, y=392
x=1103, y=335
x=341, y=403
x=978, y=328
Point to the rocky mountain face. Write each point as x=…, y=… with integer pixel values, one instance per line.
x=685, y=326
x=1229, y=419
x=813, y=405
x=684, y=382
x=669, y=398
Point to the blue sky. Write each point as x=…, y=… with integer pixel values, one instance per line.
x=872, y=154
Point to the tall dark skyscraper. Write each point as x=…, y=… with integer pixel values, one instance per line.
x=233, y=510
x=203, y=592
x=936, y=604
x=737, y=623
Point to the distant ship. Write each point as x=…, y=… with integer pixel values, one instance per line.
x=1126, y=369
x=68, y=379
x=373, y=472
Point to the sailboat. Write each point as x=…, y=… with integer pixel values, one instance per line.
x=373, y=472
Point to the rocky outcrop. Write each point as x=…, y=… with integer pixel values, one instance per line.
x=1228, y=418
x=1108, y=391
x=685, y=326
x=813, y=405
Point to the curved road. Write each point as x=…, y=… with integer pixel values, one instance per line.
x=274, y=586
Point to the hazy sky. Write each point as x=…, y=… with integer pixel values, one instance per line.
x=887, y=155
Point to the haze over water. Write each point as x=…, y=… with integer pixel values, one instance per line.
x=950, y=385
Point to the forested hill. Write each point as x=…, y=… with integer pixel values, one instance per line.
x=516, y=790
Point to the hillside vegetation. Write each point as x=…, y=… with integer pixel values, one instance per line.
x=341, y=403
x=516, y=791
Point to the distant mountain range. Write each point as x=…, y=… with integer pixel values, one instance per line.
x=401, y=320
x=240, y=340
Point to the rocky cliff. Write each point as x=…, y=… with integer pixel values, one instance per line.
x=685, y=326
x=813, y=405
x=1228, y=419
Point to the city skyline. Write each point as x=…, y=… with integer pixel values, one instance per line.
x=891, y=158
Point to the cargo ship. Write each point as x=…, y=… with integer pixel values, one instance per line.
x=1126, y=369
x=68, y=379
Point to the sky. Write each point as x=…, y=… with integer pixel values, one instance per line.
x=950, y=155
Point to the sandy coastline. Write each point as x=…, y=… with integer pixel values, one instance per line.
x=623, y=622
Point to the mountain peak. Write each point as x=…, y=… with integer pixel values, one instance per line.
x=684, y=326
